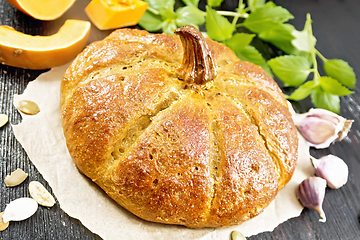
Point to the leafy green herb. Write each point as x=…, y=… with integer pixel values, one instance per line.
x=298, y=67
x=304, y=40
x=251, y=54
x=161, y=16
x=303, y=91
x=323, y=90
x=189, y=14
x=153, y=22
x=332, y=86
x=280, y=36
x=340, y=70
x=239, y=41
x=217, y=26
x=263, y=19
x=322, y=99
x=292, y=70
x=214, y=3
x=254, y=4
x=194, y=3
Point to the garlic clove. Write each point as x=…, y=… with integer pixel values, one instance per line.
x=20, y=209
x=333, y=169
x=15, y=178
x=321, y=127
x=317, y=130
x=311, y=193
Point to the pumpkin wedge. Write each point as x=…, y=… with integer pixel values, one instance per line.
x=112, y=14
x=43, y=9
x=41, y=52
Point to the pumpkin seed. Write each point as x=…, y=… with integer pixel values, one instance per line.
x=28, y=107
x=3, y=119
x=3, y=225
x=39, y=193
x=15, y=178
x=19, y=209
x=236, y=235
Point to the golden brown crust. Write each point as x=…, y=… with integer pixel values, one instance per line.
x=164, y=176
x=246, y=177
x=214, y=155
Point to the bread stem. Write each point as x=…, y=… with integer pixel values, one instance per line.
x=197, y=65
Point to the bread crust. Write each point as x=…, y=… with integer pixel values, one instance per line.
x=210, y=156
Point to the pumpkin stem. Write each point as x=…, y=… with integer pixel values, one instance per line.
x=197, y=65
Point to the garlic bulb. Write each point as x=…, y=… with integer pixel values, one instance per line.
x=333, y=169
x=321, y=127
x=311, y=193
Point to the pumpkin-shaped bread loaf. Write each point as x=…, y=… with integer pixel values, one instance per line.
x=178, y=130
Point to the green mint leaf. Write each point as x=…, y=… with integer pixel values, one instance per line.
x=150, y=22
x=189, y=15
x=292, y=70
x=193, y=3
x=258, y=27
x=303, y=91
x=324, y=100
x=254, y=4
x=251, y=54
x=306, y=55
x=167, y=10
x=341, y=71
x=280, y=36
x=159, y=5
x=270, y=4
x=304, y=40
x=239, y=41
x=169, y=27
x=262, y=19
x=333, y=87
x=214, y=3
x=165, y=14
x=217, y=26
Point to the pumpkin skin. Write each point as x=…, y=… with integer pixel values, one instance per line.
x=42, y=52
x=115, y=14
x=42, y=9
x=204, y=140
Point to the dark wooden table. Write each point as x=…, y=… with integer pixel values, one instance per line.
x=336, y=24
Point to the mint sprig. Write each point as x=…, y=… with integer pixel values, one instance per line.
x=323, y=90
x=297, y=67
x=217, y=26
x=161, y=16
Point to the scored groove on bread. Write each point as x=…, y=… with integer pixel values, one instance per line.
x=262, y=139
x=205, y=155
x=136, y=128
x=216, y=153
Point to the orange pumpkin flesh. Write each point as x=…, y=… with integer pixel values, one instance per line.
x=42, y=9
x=115, y=14
x=41, y=52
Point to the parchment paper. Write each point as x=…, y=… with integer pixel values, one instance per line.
x=42, y=137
